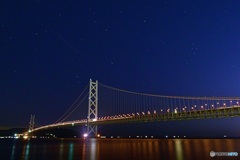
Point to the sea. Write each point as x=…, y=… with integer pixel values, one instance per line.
x=119, y=149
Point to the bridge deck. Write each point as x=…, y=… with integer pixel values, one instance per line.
x=185, y=115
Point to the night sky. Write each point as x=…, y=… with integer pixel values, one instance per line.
x=50, y=49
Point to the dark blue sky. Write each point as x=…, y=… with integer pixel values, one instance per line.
x=50, y=49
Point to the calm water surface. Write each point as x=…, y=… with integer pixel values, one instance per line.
x=101, y=149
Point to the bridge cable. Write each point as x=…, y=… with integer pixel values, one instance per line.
x=74, y=108
x=71, y=105
x=164, y=96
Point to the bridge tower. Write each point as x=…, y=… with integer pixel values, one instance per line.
x=92, y=107
x=31, y=123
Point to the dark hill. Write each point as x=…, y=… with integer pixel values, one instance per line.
x=11, y=132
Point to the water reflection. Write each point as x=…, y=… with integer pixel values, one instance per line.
x=71, y=150
x=90, y=149
x=179, y=149
x=93, y=147
x=25, y=152
x=13, y=151
x=61, y=150
x=84, y=151
x=118, y=149
x=44, y=151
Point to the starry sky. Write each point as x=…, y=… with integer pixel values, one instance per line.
x=50, y=49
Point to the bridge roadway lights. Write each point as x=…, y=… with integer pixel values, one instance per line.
x=232, y=111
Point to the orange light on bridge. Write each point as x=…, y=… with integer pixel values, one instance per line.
x=25, y=136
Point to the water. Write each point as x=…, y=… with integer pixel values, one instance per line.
x=113, y=149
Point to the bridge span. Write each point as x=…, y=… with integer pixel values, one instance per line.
x=121, y=106
x=151, y=117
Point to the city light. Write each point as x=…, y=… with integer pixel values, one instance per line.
x=25, y=136
x=16, y=136
x=85, y=135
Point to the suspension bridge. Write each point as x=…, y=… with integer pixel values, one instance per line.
x=101, y=104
